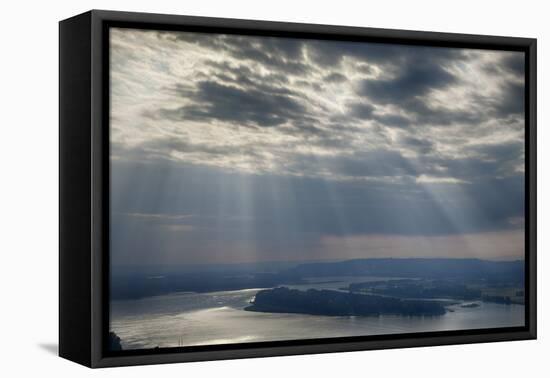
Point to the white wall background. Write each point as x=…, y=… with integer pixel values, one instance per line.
x=29, y=189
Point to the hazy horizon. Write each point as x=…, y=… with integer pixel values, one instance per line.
x=253, y=263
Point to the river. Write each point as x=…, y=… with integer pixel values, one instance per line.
x=184, y=319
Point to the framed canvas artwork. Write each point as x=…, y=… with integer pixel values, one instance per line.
x=234, y=188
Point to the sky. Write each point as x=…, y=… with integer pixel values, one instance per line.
x=233, y=148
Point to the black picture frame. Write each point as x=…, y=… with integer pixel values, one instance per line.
x=84, y=188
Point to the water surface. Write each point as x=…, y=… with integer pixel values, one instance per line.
x=185, y=319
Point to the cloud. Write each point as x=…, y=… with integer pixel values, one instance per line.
x=335, y=77
x=423, y=146
x=332, y=53
x=395, y=120
x=207, y=85
x=361, y=110
x=166, y=217
x=512, y=100
x=415, y=80
x=425, y=179
x=256, y=145
x=515, y=64
x=214, y=101
x=372, y=163
x=282, y=54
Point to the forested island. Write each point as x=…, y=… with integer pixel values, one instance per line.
x=335, y=303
